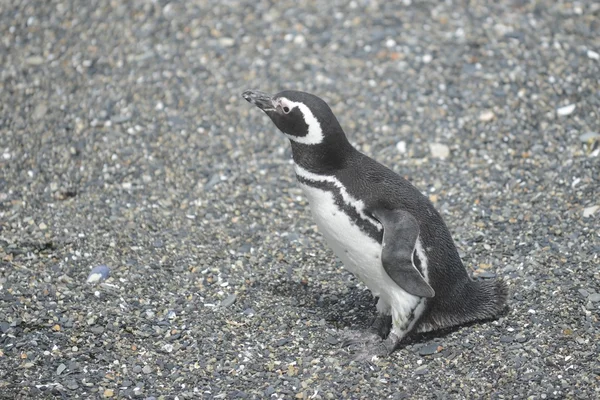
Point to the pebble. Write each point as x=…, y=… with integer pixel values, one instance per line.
x=439, y=150
x=590, y=211
x=40, y=111
x=566, y=110
x=486, y=116
x=72, y=384
x=401, y=147
x=4, y=327
x=98, y=274
x=422, y=370
x=594, y=297
x=520, y=338
x=34, y=60
x=429, y=349
x=60, y=369
x=97, y=329
x=229, y=300
x=332, y=340
x=592, y=55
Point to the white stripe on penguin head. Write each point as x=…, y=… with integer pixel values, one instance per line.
x=315, y=133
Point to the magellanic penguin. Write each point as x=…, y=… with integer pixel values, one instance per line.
x=382, y=228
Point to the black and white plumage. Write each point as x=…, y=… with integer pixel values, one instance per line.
x=382, y=228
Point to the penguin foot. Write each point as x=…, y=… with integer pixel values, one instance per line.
x=383, y=348
x=366, y=345
x=381, y=325
x=354, y=340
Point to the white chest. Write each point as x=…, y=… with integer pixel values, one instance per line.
x=359, y=253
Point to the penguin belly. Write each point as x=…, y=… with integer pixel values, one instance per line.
x=359, y=252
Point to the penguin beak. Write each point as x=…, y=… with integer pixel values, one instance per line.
x=259, y=99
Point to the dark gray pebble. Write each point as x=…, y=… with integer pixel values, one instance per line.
x=429, y=349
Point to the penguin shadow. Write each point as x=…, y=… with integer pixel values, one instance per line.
x=354, y=309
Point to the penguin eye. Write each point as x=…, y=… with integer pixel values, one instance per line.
x=286, y=110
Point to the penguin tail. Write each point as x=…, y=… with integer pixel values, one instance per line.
x=476, y=300
x=487, y=298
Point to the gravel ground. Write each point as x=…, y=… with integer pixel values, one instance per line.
x=125, y=142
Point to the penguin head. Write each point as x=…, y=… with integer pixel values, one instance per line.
x=301, y=116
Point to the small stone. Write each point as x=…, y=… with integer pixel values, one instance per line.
x=34, y=60
x=60, y=369
x=401, y=147
x=147, y=369
x=229, y=300
x=42, y=226
x=216, y=178
x=594, y=297
x=98, y=274
x=507, y=339
x=520, y=338
x=137, y=369
x=226, y=41
x=332, y=340
x=429, y=349
x=439, y=150
x=119, y=119
x=486, y=116
x=39, y=111
x=422, y=370
x=589, y=211
x=249, y=312
x=72, y=384
x=427, y=58
x=56, y=328
x=592, y=55
x=108, y=393
x=282, y=342
x=4, y=326
x=98, y=329
x=566, y=110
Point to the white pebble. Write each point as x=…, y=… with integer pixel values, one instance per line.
x=566, y=110
x=593, y=55
x=401, y=146
x=439, y=150
x=589, y=211
x=299, y=39
x=427, y=58
x=486, y=116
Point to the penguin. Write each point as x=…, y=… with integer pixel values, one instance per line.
x=382, y=228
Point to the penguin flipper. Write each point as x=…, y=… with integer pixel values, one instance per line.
x=400, y=234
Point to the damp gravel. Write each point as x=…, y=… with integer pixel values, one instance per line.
x=125, y=143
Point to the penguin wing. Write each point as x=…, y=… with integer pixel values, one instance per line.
x=400, y=234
